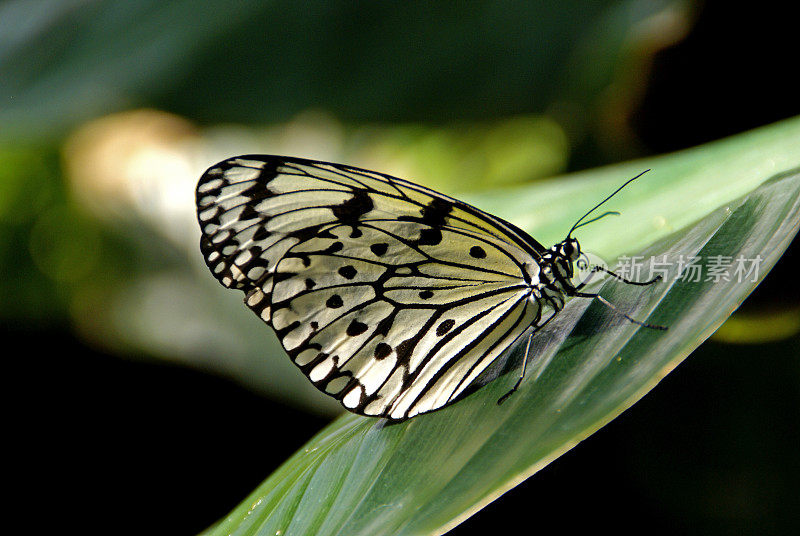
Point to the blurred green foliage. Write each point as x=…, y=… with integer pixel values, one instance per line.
x=256, y=62
x=31, y=190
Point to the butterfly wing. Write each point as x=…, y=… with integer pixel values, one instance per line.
x=389, y=296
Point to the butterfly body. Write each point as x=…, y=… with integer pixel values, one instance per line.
x=389, y=296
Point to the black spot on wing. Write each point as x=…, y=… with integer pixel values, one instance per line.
x=261, y=234
x=382, y=350
x=256, y=251
x=435, y=213
x=379, y=249
x=356, y=328
x=333, y=248
x=351, y=210
x=384, y=326
x=429, y=237
x=348, y=272
x=404, y=350
x=334, y=302
x=249, y=213
x=477, y=252
x=270, y=170
x=445, y=326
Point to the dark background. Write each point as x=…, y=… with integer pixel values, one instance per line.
x=713, y=449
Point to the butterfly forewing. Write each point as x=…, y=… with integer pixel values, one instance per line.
x=390, y=297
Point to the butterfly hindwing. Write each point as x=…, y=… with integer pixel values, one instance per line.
x=390, y=297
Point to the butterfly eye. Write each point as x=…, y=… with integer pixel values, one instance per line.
x=570, y=249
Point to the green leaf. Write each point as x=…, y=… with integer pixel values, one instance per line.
x=735, y=198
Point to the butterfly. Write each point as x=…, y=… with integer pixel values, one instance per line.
x=388, y=296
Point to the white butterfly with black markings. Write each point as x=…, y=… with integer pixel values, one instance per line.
x=390, y=297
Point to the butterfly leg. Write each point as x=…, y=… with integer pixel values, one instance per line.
x=521, y=374
x=614, y=308
x=556, y=308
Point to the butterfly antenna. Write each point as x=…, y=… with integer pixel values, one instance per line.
x=598, y=205
x=603, y=215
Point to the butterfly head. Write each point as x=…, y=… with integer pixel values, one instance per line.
x=563, y=256
x=569, y=249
